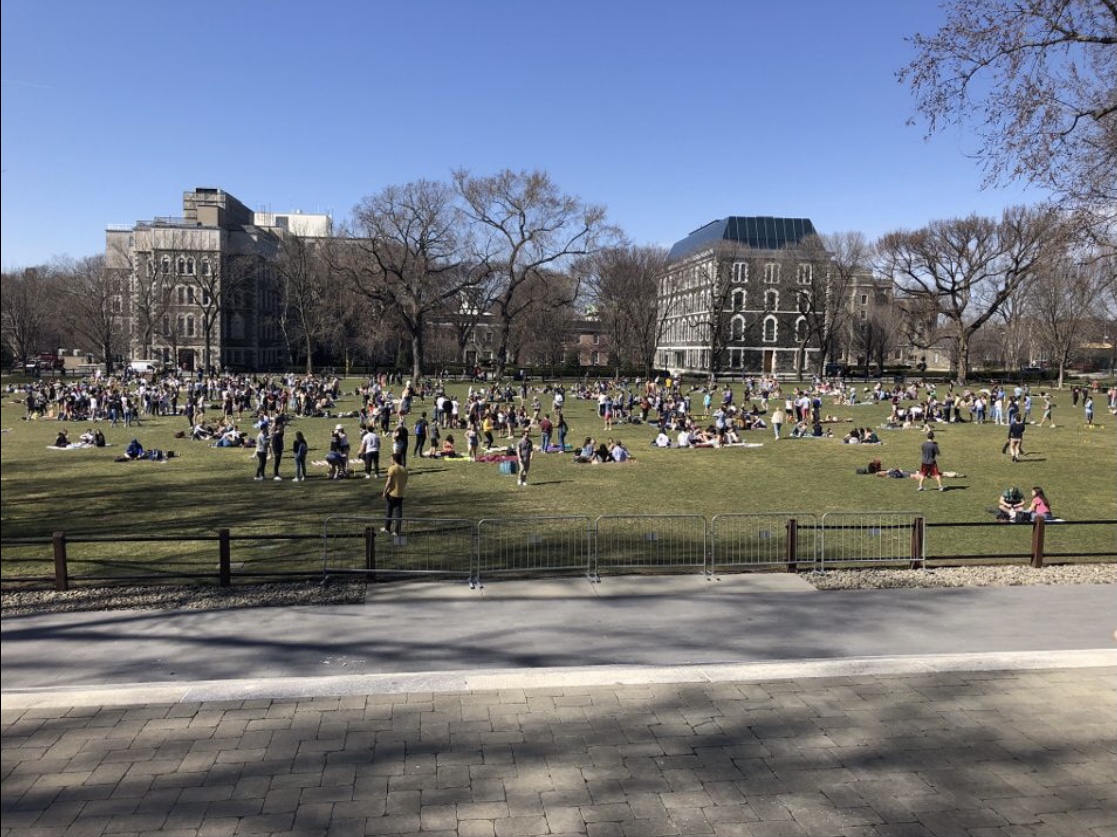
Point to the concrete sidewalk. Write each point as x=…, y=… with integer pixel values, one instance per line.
x=706, y=709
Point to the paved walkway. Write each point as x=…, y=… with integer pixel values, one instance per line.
x=989, y=742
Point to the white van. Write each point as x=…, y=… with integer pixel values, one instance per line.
x=142, y=367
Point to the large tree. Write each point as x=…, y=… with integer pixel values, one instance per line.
x=1064, y=305
x=962, y=271
x=407, y=256
x=93, y=305
x=527, y=230
x=1038, y=79
x=27, y=305
x=309, y=297
x=623, y=284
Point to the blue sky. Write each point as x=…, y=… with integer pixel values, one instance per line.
x=671, y=114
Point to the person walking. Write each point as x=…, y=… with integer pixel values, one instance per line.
x=394, y=488
x=523, y=455
x=778, y=418
x=929, y=464
x=421, y=435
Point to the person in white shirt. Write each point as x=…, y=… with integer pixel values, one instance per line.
x=370, y=451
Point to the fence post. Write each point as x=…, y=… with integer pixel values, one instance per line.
x=917, y=534
x=1037, y=541
x=61, y=571
x=370, y=552
x=224, y=561
x=792, y=545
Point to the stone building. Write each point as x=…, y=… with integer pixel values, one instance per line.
x=200, y=290
x=731, y=297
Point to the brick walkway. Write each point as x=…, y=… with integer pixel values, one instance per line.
x=919, y=752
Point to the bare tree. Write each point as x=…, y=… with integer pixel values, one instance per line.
x=309, y=299
x=1039, y=80
x=1064, y=304
x=623, y=283
x=93, y=305
x=407, y=256
x=964, y=270
x=527, y=227
x=26, y=310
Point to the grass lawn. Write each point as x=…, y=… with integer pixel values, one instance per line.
x=203, y=489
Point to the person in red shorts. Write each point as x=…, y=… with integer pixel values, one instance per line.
x=929, y=465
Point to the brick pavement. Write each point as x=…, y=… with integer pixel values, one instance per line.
x=979, y=751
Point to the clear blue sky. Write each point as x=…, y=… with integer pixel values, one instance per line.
x=669, y=113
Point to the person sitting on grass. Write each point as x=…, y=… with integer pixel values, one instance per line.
x=1010, y=506
x=1039, y=507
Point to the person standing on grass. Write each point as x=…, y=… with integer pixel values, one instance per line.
x=778, y=418
x=546, y=428
x=276, y=449
x=421, y=435
x=299, y=448
x=261, y=452
x=929, y=464
x=1088, y=406
x=370, y=451
x=394, y=488
x=523, y=456
x=1016, y=437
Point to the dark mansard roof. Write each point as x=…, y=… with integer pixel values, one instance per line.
x=755, y=232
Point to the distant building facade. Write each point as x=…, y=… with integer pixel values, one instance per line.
x=730, y=301
x=200, y=290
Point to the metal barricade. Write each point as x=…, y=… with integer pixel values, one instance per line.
x=872, y=538
x=762, y=541
x=427, y=546
x=650, y=542
x=533, y=546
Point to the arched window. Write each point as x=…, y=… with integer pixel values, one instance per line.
x=205, y=267
x=181, y=265
x=165, y=265
x=738, y=300
x=737, y=328
x=800, y=329
x=771, y=300
x=189, y=326
x=769, y=329
x=190, y=267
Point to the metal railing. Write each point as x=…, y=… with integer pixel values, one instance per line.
x=543, y=546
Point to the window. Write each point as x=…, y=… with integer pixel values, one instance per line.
x=165, y=265
x=205, y=297
x=189, y=326
x=735, y=358
x=205, y=267
x=181, y=294
x=864, y=299
x=805, y=274
x=180, y=266
x=738, y=300
x=771, y=273
x=166, y=325
x=740, y=272
x=181, y=323
x=800, y=329
x=189, y=267
x=769, y=329
x=803, y=300
x=737, y=328
x=771, y=300
x=596, y=339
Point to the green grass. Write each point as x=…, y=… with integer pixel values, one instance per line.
x=85, y=493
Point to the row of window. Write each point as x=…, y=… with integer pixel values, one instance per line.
x=682, y=331
x=184, y=266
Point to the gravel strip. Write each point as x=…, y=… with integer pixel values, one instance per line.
x=1000, y=576
x=21, y=603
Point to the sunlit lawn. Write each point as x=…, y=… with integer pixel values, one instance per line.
x=203, y=489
